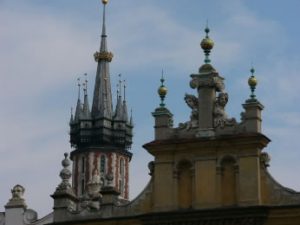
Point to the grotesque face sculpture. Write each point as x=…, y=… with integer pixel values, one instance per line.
x=17, y=191
x=223, y=99
x=191, y=101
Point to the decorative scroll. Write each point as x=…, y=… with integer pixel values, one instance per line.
x=216, y=82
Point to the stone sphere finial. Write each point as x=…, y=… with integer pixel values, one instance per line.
x=65, y=174
x=66, y=162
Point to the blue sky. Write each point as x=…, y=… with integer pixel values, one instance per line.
x=46, y=45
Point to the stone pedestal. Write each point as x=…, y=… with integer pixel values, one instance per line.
x=252, y=116
x=109, y=196
x=163, y=123
x=64, y=202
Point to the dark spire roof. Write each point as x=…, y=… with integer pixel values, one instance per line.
x=102, y=101
x=72, y=117
x=119, y=109
x=78, y=110
x=131, y=119
x=86, y=107
x=124, y=110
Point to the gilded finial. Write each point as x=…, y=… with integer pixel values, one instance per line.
x=104, y=2
x=252, y=82
x=207, y=45
x=162, y=90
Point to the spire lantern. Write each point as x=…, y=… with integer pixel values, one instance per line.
x=162, y=91
x=207, y=45
x=252, y=82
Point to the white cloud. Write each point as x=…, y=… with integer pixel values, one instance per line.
x=41, y=51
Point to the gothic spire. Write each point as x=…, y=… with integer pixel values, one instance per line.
x=78, y=110
x=86, y=107
x=72, y=117
x=125, y=113
x=119, y=107
x=131, y=119
x=102, y=101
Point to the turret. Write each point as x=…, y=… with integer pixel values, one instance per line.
x=101, y=137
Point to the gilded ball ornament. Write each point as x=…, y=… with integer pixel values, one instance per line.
x=252, y=81
x=162, y=91
x=207, y=43
x=104, y=2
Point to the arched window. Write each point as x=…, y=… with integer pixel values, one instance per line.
x=122, y=167
x=103, y=164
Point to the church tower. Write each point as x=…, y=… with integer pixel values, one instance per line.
x=101, y=136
